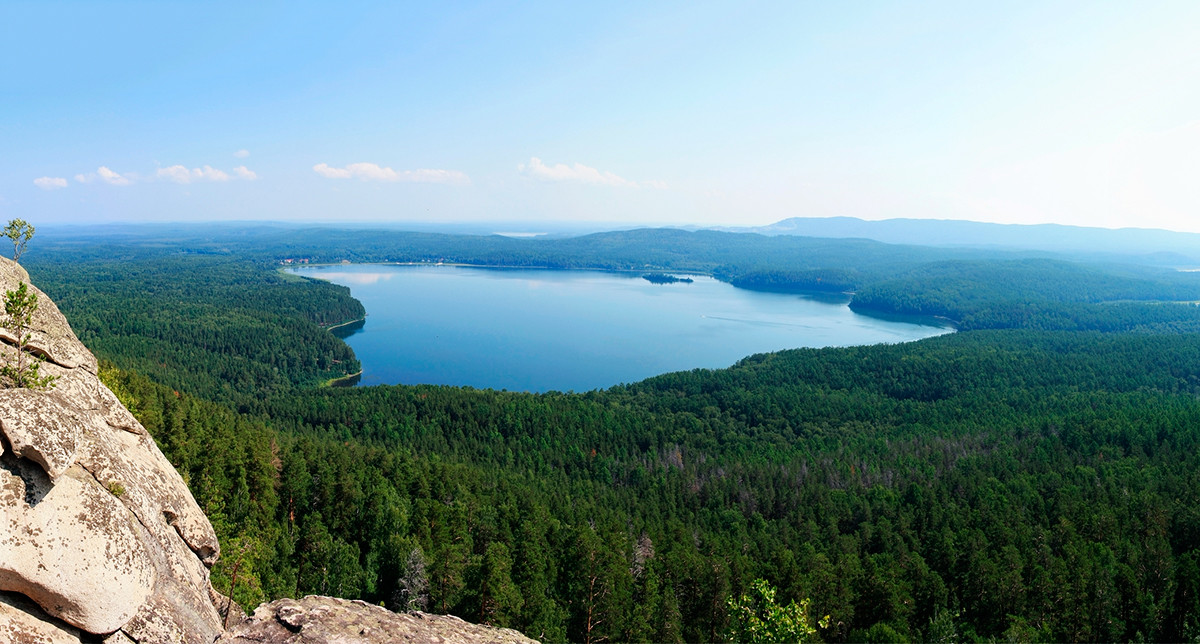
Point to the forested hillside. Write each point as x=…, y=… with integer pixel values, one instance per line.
x=975, y=289
x=1041, y=294
x=219, y=327
x=990, y=484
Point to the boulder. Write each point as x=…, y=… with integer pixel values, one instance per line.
x=326, y=620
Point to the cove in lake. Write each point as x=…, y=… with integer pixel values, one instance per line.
x=540, y=330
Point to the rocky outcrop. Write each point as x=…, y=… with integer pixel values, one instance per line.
x=325, y=620
x=98, y=533
x=101, y=541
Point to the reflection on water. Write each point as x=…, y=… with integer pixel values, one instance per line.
x=827, y=298
x=762, y=322
x=347, y=278
x=344, y=331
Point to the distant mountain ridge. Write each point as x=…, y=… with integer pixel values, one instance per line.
x=1166, y=247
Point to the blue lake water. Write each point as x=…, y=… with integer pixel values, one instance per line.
x=539, y=330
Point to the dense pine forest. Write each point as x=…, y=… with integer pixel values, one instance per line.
x=1033, y=477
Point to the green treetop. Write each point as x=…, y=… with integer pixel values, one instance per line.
x=22, y=370
x=20, y=232
x=756, y=617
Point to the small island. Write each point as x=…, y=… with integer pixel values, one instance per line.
x=663, y=278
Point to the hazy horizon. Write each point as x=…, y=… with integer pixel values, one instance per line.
x=523, y=227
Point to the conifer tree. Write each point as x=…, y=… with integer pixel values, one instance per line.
x=22, y=370
x=20, y=232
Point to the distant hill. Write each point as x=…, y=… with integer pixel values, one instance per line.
x=1161, y=247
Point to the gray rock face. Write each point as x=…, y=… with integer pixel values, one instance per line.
x=96, y=528
x=100, y=539
x=40, y=429
x=325, y=620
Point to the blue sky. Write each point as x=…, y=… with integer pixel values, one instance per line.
x=653, y=113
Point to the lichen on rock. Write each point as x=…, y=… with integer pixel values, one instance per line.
x=40, y=429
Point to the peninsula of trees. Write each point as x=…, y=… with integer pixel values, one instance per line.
x=664, y=278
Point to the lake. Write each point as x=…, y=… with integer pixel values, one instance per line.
x=540, y=330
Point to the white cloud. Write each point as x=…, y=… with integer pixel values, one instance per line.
x=576, y=172
x=211, y=174
x=332, y=173
x=581, y=173
x=434, y=176
x=180, y=174
x=50, y=183
x=241, y=154
x=176, y=173
x=112, y=177
x=107, y=176
x=374, y=172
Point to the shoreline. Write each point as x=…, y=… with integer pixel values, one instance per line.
x=343, y=381
x=342, y=324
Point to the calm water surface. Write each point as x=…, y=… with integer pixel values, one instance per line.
x=537, y=330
